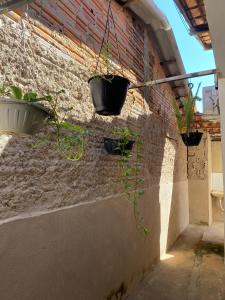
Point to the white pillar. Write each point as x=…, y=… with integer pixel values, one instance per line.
x=222, y=120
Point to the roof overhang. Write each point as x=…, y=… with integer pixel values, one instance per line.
x=194, y=14
x=164, y=40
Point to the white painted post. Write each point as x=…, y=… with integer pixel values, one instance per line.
x=222, y=120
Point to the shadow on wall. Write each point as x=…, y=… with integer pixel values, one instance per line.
x=92, y=249
x=178, y=215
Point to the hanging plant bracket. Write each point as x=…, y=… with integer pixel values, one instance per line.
x=174, y=78
x=108, y=90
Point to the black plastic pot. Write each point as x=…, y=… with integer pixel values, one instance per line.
x=108, y=93
x=111, y=146
x=192, y=139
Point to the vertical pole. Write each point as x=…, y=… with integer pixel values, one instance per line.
x=221, y=85
x=187, y=161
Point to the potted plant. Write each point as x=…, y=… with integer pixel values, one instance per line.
x=21, y=113
x=108, y=90
x=119, y=146
x=185, y=119
x=108, y=93
x=130, y=168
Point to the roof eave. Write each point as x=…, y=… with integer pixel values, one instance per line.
x=165, y=40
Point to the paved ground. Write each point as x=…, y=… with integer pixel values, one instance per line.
x=193, y=270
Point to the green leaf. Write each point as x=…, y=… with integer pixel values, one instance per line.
x=127, y=186
x=146, y=231
x=178, y=114
x=126, y=173
x=189, y=106
x=31, y=97
x=140, y=193
x=72, y=127
x=16, y=92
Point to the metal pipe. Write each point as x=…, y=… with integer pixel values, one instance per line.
x=173, y=78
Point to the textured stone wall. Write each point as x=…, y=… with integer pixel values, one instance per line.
x=41, y=179
x=199, y=181
x=198, y=160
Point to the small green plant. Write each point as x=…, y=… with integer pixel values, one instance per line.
x=185, y=116
x=106, y=67
x=130, y=171
x=18, y=94
x=68, y=138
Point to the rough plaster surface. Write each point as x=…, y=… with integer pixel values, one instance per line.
x=198, y=161
x=199, y=182
x=39, y=179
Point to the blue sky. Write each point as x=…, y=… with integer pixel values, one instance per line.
x=194, y=57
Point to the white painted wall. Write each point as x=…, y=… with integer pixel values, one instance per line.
x=217, y=182
x=215, y=17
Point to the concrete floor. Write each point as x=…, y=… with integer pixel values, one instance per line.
x=193, y=269
x=214, y=234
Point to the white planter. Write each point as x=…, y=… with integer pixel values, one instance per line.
x=18, y=116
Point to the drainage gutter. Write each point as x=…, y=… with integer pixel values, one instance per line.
x=164, y=37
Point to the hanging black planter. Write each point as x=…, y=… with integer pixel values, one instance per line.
x=112, y=146
x=108, y=93
x=192, y=139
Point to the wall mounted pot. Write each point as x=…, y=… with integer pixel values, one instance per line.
x=111, y=146
x=192, y=139
x=108, y=93
x=18, y=116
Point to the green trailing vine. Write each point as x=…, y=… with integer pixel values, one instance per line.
x=185, y=116
x=69, y=139
x=130, y=171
